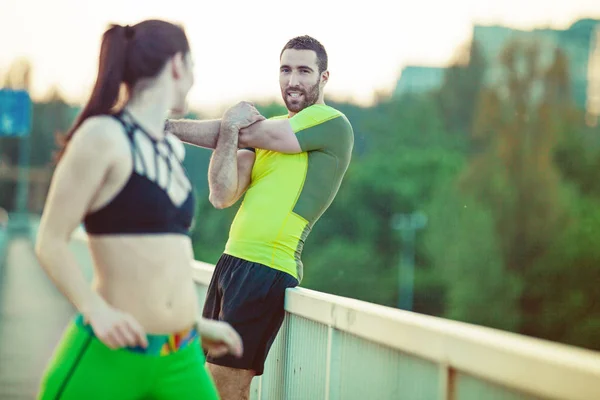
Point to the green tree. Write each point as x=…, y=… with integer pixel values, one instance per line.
x=504, y=213
x=463, y=245
x=461, y=88
x=515, y=175
x=563, y=297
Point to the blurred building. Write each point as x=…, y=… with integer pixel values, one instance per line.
x=580, y=43
x=418, y=79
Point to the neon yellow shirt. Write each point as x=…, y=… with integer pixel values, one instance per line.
x=288, y=193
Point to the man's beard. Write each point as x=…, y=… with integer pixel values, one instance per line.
x=307, y=98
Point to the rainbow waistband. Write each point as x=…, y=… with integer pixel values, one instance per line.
x=158, y=345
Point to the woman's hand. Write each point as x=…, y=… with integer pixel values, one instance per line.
x=219, y=338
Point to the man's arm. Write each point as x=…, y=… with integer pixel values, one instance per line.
x=198, y=133
x=230, y=169
x=306, y=131
x=204, y=133
x=275, y=135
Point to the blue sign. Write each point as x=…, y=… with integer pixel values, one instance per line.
x=15, y=113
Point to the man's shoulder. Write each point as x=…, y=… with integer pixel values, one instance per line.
x=276, y=117
x=315, y=115
x=320, y=112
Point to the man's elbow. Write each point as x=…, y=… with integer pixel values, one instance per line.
x=218, y=201
x=219, y=204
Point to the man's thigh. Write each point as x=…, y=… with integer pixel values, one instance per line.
x=252, y=302
x=232, y=383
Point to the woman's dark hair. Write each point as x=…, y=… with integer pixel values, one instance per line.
x=128, y=54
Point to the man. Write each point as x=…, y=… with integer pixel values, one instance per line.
x=290, y=169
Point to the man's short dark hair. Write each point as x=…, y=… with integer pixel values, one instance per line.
x=308, y=43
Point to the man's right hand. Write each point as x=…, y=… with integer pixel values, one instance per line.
x=242, y=115
x=115, y=328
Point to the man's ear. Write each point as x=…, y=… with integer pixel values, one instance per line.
x=324, y=78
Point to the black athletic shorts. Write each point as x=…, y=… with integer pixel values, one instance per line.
x=250, y=297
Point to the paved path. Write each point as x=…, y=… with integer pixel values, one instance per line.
x=33, y=315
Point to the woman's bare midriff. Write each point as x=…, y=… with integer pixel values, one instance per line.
x=149, y=277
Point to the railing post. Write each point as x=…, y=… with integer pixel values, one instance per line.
x=333, y=366
x=447, y=387
x=259, y=388
x=273, y=384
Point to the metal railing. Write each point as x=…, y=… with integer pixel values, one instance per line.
x=336, y=348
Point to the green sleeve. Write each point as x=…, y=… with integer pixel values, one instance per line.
x=322, y=129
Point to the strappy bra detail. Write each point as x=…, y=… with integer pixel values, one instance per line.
x=158, y=196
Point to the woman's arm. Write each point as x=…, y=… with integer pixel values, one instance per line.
x=80, y=173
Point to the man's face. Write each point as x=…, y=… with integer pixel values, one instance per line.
x=299, y=79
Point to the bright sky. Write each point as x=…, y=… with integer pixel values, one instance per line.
x=236, y=44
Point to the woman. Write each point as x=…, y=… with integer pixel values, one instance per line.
x=138, y=330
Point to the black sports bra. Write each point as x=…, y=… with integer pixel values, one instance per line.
x=157, y=198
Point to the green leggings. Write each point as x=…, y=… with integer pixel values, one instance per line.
x=82, y=367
